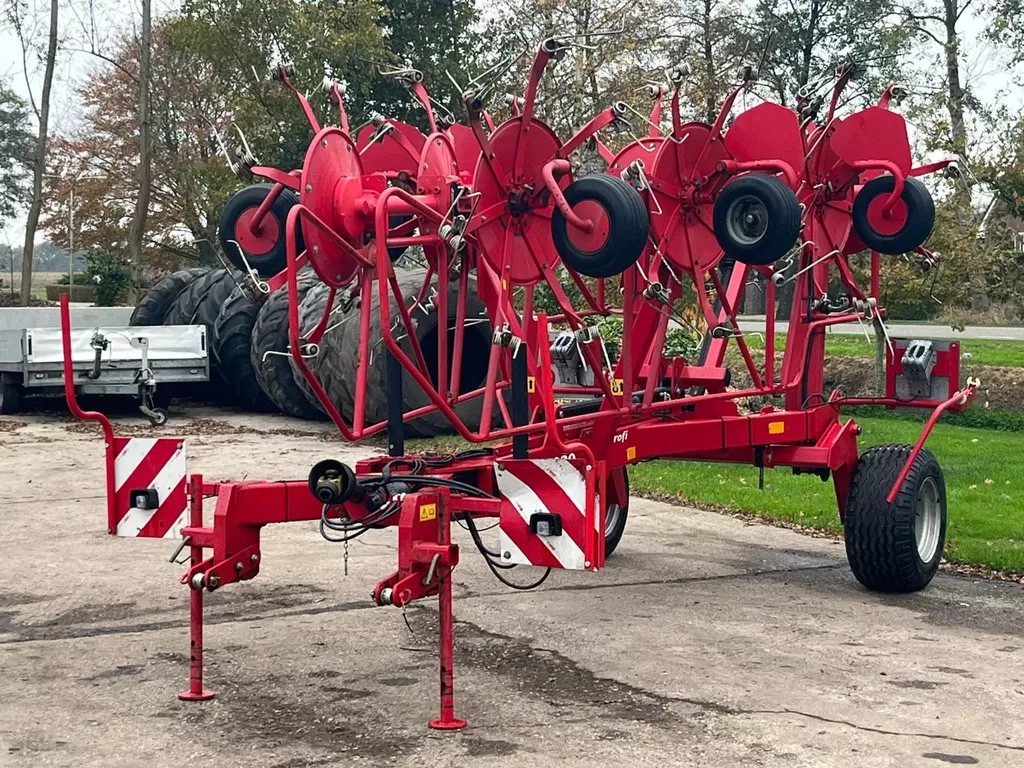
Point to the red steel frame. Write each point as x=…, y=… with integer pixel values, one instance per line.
x=648, y=406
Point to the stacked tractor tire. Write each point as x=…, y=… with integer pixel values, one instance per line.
x=251, y=366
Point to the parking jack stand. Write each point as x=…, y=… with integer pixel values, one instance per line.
x=195, y=691
x=446, y=640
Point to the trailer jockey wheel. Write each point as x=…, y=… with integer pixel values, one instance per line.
x=620, y=228
x=264, y=248
x=895, y=547
x=905, y=227
x=757, y=219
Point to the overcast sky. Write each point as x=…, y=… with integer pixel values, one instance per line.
x=989, y=77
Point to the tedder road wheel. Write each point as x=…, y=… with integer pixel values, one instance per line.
x=615, y=515
x=895, y=547
x=265, y=248
x=757, y=219
x=158, y=299
x=620, y=227
x=908, y=224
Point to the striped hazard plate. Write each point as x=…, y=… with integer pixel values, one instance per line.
x=545, y=487
x=142, y=465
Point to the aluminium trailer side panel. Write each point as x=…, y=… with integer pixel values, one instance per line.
x=176, y=353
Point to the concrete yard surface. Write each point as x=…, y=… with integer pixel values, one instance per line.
x=707, y=641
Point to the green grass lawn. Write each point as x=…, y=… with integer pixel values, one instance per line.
x=984, y=472
x=1004, y=353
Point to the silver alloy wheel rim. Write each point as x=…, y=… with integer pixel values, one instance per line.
x=928, y=519
x=747, y=220
x=611, y=519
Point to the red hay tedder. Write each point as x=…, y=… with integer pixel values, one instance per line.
x=696, y=211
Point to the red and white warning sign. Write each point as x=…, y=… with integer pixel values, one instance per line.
x=149, y=485
x=550, y=493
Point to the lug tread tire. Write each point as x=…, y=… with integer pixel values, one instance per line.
x=920, y=215
x=159, y=298
x=232, y=348
x=628, y=224
x=880, y=537
x=311, y=311
x=274, y=372
x=613, y=537
x=784, y=219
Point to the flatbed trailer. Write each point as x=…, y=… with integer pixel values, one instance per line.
x=108, y=358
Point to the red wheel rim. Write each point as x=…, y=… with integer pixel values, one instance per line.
x=264, y=239
x=890, y=225
x=595, y=239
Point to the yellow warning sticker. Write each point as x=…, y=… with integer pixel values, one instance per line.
x=531, y=384
x=504, y=284
x=617, y=387
x=428, y=512
x=776, y=427
x=631, y=453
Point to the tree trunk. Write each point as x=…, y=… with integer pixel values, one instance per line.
x=39, y=161
x=137, y=231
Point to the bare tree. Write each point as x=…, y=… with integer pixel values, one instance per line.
x=41, y=108
x=137, y=232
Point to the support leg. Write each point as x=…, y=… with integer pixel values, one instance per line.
x=447, y=721
x=195, y=691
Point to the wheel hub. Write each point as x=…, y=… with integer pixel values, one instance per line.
x=928, y=520
x=747, y=220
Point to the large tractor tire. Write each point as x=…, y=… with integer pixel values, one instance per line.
x=159, y=298
x=895, y=547
x=341, y=361
x=270, y=353
x=232, y=349
x=311, y=312
x=200, y=303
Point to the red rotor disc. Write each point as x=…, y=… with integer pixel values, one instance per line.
x=331, y=184
x=524, y=209
x=683, y=227
x=262, y=241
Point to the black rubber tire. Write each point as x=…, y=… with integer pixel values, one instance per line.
x=159, y=298
x=782, y=216
x=311, y=311
x=232, y=349
x=274, y=372
x=273, y=261
x=200, y=304
x=628, y=222
x=881, y=544
x=920, y=215
x=10, y=396
x=613, y=535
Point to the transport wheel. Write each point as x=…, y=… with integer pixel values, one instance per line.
x=620, y=232
x=615, y=515
x=908, y=224
x=270, y=353
x=10, y=396
x=232, y=349
x=264, y=250
x=895, y=547
x=159, y=298
x=757, y=219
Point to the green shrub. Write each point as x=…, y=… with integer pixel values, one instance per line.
x=79, y=292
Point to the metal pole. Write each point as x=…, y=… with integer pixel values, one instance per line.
x=71, y=242
x=195, y=691
x=520, y=404
x=396, y=423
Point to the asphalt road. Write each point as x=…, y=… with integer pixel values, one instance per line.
x=706, y=642
x=906, y=330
